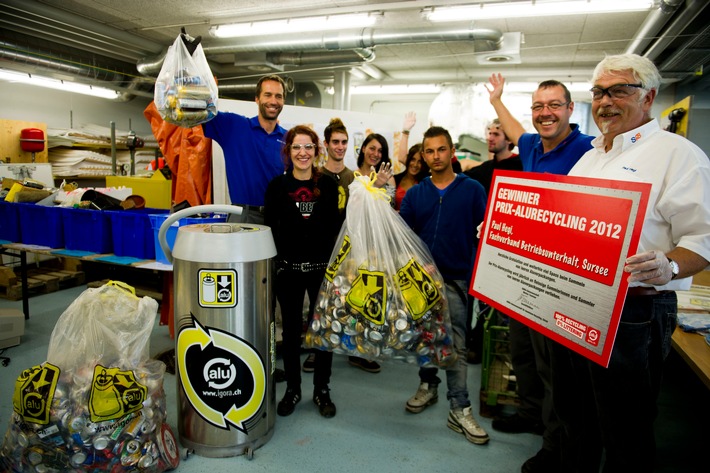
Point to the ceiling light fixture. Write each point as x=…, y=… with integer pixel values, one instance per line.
x=65, y=86
x=395, y=89
x=533, y=8
x=529, y=87
x=296, y=25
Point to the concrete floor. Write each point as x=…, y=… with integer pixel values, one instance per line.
x=372, y=431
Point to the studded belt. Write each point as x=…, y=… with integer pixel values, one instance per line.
x=302, y=267
x=253, y=208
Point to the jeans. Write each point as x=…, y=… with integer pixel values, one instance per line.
x=291, y=287
x=457, y=392
x=612, y=410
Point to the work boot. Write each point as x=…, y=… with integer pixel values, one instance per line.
x=515, y=424
x=544, y=461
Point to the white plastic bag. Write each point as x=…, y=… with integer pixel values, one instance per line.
x=98, y=403
x=185, y=91
x=382, y=296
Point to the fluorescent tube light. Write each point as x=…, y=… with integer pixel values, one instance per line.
x=65, y=86
x=537, y=8
x=395, y=89
x=295, y=25
x=529, y=87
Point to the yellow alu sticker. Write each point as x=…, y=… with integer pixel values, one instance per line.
x=114, y=393
x=34, y=393
x=368, y=295
x=418, y=289
x=335, y=264
x=217, y=288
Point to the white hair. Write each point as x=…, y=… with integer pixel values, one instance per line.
x=643, y=69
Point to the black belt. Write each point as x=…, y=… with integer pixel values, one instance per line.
x=641, y=291
x=303, y=267
x=253, y=208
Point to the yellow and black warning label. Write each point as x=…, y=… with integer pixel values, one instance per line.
x=217, y=288
x=335, y=264
x=34, y=392
x=368, y=295
x=114, y=393
x=418, y=289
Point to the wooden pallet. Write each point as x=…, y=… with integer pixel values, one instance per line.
x=40, y=280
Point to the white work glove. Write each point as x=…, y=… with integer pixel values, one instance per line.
x=651, y=267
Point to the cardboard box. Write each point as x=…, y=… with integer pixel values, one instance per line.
x=156, y=190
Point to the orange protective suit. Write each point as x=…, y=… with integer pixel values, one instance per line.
x=189, y=155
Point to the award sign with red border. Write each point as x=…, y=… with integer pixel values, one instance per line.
x=552, y=253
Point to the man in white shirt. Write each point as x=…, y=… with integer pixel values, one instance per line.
x=612, y=410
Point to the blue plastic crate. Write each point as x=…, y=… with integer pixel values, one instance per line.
x=132, y=232
x=157, y=220
x=87, y=230
x=41, y=225
x=9, y=221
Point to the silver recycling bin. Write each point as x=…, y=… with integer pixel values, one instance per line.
x=225, y=349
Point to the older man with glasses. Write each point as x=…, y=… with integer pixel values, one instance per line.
x=555, y=148
x=609, y=412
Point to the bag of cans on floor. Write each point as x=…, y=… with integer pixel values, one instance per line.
x=382, y=297
x=185, y=90
x=97, y=403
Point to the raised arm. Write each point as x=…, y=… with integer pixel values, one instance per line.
x=513, y=128
x=410, y=119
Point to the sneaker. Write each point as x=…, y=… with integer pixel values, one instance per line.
x=310, y=364
x=288, y=403
x=515, y=424
x=545, y=461
x=321, y=398
x=425, y=396
x=363, y=364
x=462, y=421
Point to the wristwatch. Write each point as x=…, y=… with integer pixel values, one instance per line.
x=675, y=269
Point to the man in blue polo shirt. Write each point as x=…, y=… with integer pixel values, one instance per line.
x=252, y=147
x=555, y=148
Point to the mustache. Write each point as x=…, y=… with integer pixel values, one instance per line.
x=606, y=110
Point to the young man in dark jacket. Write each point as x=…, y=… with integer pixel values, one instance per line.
x=444, y=210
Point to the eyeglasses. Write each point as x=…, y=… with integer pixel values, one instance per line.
x=618, y=91
x=553, y=107
x=307, y=147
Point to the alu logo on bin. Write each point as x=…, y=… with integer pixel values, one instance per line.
x=223, y=376
x=217, y=288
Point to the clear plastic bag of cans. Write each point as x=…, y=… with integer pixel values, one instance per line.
x=97, y=403
x=185, y=91
x=382, y=297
